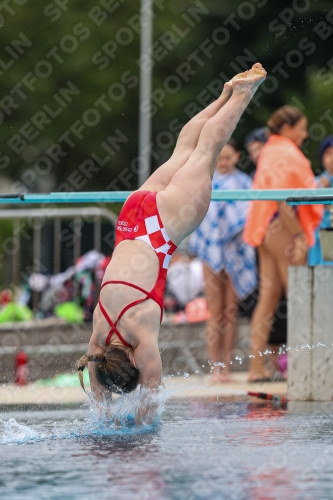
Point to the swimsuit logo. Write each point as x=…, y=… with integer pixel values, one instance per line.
x=136, y=229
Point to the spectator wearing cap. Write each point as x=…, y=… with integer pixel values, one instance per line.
x=254, y=142
x=326, y=159
x=325, y=180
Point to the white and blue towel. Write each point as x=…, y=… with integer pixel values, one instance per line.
x=218, y=240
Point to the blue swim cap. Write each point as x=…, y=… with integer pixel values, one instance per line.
x=325, y=143
x=258, y=134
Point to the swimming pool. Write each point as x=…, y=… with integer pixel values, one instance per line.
x=200, y=450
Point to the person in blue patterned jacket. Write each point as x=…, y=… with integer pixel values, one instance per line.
x=229, y=263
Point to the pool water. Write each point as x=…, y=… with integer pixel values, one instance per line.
x=200, y=450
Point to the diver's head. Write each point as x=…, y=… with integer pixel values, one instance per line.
x=115, y=369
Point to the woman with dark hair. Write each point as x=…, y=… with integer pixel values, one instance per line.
x=281, y=233
x=254, y=142
x=123, y=349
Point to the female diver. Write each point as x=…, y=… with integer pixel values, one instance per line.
x=123, y=349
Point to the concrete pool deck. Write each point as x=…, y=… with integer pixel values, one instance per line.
x=195, y=386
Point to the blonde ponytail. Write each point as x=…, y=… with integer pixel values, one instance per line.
x=81, y=364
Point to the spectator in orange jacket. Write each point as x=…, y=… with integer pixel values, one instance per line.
x=281, y=233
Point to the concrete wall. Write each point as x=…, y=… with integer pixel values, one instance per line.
x=54, y=347
x=310, y=333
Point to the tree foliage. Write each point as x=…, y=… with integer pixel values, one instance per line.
x=92, y=50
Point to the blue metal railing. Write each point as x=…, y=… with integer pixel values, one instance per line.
x=294, y=196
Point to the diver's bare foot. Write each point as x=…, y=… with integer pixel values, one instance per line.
x=249, y=81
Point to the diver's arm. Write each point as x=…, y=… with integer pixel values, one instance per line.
x=100, y=393
x=97, y=389
x=100, y=331
x=148, y=361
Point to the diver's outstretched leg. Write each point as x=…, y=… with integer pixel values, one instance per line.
x=185, y=201
x=186, y=143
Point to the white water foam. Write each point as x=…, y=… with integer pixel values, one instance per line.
x=137, y=412
x=134, y=413
x=13, y=432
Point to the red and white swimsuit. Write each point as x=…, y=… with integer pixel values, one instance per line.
x=139, y=220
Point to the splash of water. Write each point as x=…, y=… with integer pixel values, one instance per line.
x=137, y=412
x=13, y=432
x=134, y=413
